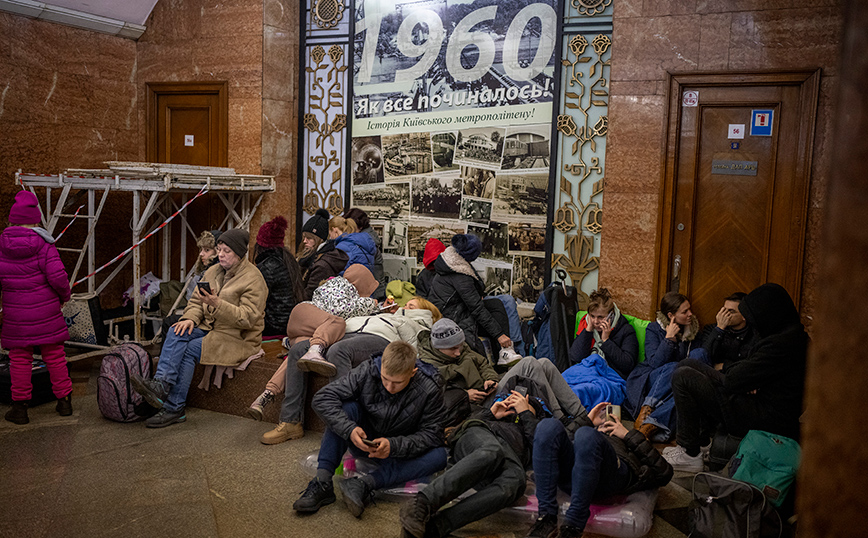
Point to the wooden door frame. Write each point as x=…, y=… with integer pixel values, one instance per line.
x=809, y=81
x=220, y=89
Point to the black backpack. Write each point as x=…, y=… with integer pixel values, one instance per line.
x=727, y=508
x=554, y=323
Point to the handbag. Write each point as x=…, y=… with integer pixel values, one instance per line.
x=83, y=317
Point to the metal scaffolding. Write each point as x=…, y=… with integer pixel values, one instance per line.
x=154, y=184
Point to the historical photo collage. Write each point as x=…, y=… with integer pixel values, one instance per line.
x=489, y=181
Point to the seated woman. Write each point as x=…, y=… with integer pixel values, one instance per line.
x=649, y=386
x=433, y=248
x=223, y=325
x=281, y=273
x=457, y=291
x=360, y=248
x=319, y=258
x=364, y=224
x=367, y=336
x=207, y=243
x=604, y=352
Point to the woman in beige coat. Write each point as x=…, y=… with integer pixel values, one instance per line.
x=222, y=326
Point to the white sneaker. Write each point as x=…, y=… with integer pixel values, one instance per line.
x=681, y=461
x=313, y=361
x=508, y=357
x=703, y=450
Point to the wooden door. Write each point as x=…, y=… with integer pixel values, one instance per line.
x=188, y=123
x=735, y=189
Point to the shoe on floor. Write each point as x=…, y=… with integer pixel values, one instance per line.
x=18, y=413
x=315, y=495
x=508, y=357
x=64, y=406
x=285, y=431
x=703, y=450
x=313, y=361
x=568, y=531
x=164, y=418
x=258, y=406
x=681, y=461
x=154, y=391
x=647, y=429
x=415, y=514
x=546, y=526
x=644, y=411
x=356, y=494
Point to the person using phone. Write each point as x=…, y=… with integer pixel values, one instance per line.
x=222, y=326
x=602, y=459
x=492, y=452
x=390, y=409
x=605, y=332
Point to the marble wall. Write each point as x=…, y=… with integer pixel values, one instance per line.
x=653, y=37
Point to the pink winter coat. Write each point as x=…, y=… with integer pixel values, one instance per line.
x=34, y=284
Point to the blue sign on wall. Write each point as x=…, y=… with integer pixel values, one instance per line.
x=761, y=122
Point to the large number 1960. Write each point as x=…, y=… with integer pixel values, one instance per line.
x=461, y=38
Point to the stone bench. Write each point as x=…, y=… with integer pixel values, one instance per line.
x=238, y=393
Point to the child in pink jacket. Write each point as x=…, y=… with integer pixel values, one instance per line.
x=34, y=285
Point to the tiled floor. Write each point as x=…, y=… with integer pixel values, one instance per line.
x=86, y=476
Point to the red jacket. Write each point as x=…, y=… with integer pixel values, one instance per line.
x=34, y=286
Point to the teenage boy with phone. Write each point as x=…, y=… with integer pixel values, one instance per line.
x=389, y=408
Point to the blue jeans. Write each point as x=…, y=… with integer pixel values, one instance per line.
x=391, y=471
x=587, y=468
x=661, y=397
x=178, y=360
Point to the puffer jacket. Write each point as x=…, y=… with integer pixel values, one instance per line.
x=621, y=350
x=281, y=299
x=360, y=248
x=339, y=297
x=470, y=370
x=34, y=285
x=403, y=325
x=378, y=262
x=235, y=326
x=650, y=469
x=457, y=291
x=412, y=420
x=775, y=368
x=325, y=263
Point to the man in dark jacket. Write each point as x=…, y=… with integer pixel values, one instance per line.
x=731, y=338
x=595, y=464
x=491, y=451
x=761, y=392
x=389, y=408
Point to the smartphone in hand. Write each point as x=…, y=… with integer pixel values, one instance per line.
x=370, y=443
x=612, y=411
x=204, y=286
x=521, y=390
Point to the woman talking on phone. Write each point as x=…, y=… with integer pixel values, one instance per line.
x=222, y=323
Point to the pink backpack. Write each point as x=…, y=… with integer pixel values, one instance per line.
x=115, y=396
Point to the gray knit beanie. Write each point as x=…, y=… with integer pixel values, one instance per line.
x=446, y=334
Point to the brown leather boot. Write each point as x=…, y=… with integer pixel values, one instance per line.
x=648, y=430
x=644, y=411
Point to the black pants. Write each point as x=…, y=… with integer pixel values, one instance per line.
x=457, y=404
x=498, y=312
x=702, y=402
x=484, y=463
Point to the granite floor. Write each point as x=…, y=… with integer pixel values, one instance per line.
x=86, y=476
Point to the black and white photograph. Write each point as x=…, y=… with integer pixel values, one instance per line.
x=367, y=160
x=384, y=201
x=525, y=238
x=395, y=240
x=495, y=240
x=436, y=197
x=398, y=267
x=478, y=182
x=497, y=280
x=443, y=149
x=521, y=195
x=475, y=210
x=419, y=236
x=407, y=154
x=480, y=146
x=528, y=278
x=527, y=147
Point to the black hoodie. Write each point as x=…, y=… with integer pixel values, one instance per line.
x=775, y=367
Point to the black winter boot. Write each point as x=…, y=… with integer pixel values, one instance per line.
x=18, y=413
x=64, y=405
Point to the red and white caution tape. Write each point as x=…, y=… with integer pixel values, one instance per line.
x=145, y=238
x=74, y=216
